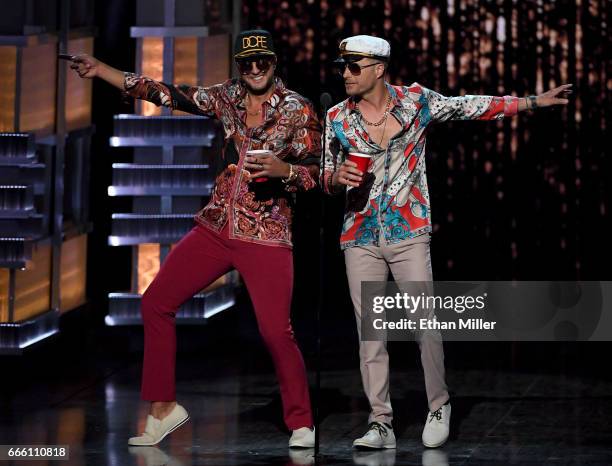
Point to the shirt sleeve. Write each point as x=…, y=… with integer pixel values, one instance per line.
x=306, y=149
x=468, y=107
x=332, y=158
x=196, y=100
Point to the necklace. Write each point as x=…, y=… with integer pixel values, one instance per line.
x=247, y=107
x=382, y=138
x=383, y=118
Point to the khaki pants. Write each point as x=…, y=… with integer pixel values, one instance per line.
x=408, y=260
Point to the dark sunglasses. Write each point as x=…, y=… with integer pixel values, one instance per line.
x=353, y=67
x=263, y=64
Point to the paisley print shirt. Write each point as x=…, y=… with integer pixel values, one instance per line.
x=256, y=212
x=393, y=202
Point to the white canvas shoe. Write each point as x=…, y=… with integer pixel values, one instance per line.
x=437, y=426
x=156, y=429
x=303, y=437
x=378, y=436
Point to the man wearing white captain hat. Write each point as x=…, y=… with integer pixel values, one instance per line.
x=387, y=220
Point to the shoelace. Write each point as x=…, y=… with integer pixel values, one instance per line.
x=437, y=414
x=377, y=426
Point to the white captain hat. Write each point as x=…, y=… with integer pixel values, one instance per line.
x=365, y=46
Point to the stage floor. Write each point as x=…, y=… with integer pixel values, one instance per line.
x=91, y=402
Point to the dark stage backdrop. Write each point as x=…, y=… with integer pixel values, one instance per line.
x=526, y=198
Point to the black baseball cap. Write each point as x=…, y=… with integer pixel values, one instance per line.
x=253, y=42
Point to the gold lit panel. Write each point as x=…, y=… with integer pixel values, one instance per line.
x=8, y=82
x=216, y=60
x=148, y=266
x=33, y=285
x=185, y=63
x=151, y=66
x=215, y=63
x=37, y=96
x=186, y=60
x=78, y=91
x=73, y=273
x=215, y=68
x=223, y=280
x=4, y=287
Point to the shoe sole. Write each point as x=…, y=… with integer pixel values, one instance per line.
x=365, y=446
x=431, y=445
x=301, y=445
x=169, y=431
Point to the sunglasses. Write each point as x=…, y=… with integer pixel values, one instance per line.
x=353, y=67
x=263, y=64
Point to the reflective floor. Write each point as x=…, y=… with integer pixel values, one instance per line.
x=89, y=400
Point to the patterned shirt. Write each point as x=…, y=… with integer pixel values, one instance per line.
x=393, y=201
x=256, y=212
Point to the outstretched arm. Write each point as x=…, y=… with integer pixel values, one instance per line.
x=557, y=96
x=89, y=67
x=485, y=107
x=191, y=99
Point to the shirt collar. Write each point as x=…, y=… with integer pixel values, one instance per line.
x=394, y=97
x=352, y=103
x=275, y=98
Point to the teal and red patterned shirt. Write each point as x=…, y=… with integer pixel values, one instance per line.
x=256, y=212
x=393, y=202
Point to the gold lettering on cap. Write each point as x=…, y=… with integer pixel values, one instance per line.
x=254, y=42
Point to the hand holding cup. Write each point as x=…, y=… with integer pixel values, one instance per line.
x=255, y=163
x=353, y=169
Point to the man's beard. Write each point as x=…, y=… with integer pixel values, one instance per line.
x=261, y=91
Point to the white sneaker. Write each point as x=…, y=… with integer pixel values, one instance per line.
x=156, y=429
x=304, y=437
x=437, y=425
x=379, y=435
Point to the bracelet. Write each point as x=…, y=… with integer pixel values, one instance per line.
x=292, y=175
x=533, y=101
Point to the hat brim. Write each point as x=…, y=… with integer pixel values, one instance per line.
x=255, y=52
x=348, y=54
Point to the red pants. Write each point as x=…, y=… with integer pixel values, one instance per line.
x=196, y=261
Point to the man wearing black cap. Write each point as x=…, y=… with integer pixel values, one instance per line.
x=246, y=225
x=387, y=220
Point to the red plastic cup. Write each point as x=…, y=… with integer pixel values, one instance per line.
x=258, y=153
x=362, y=161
